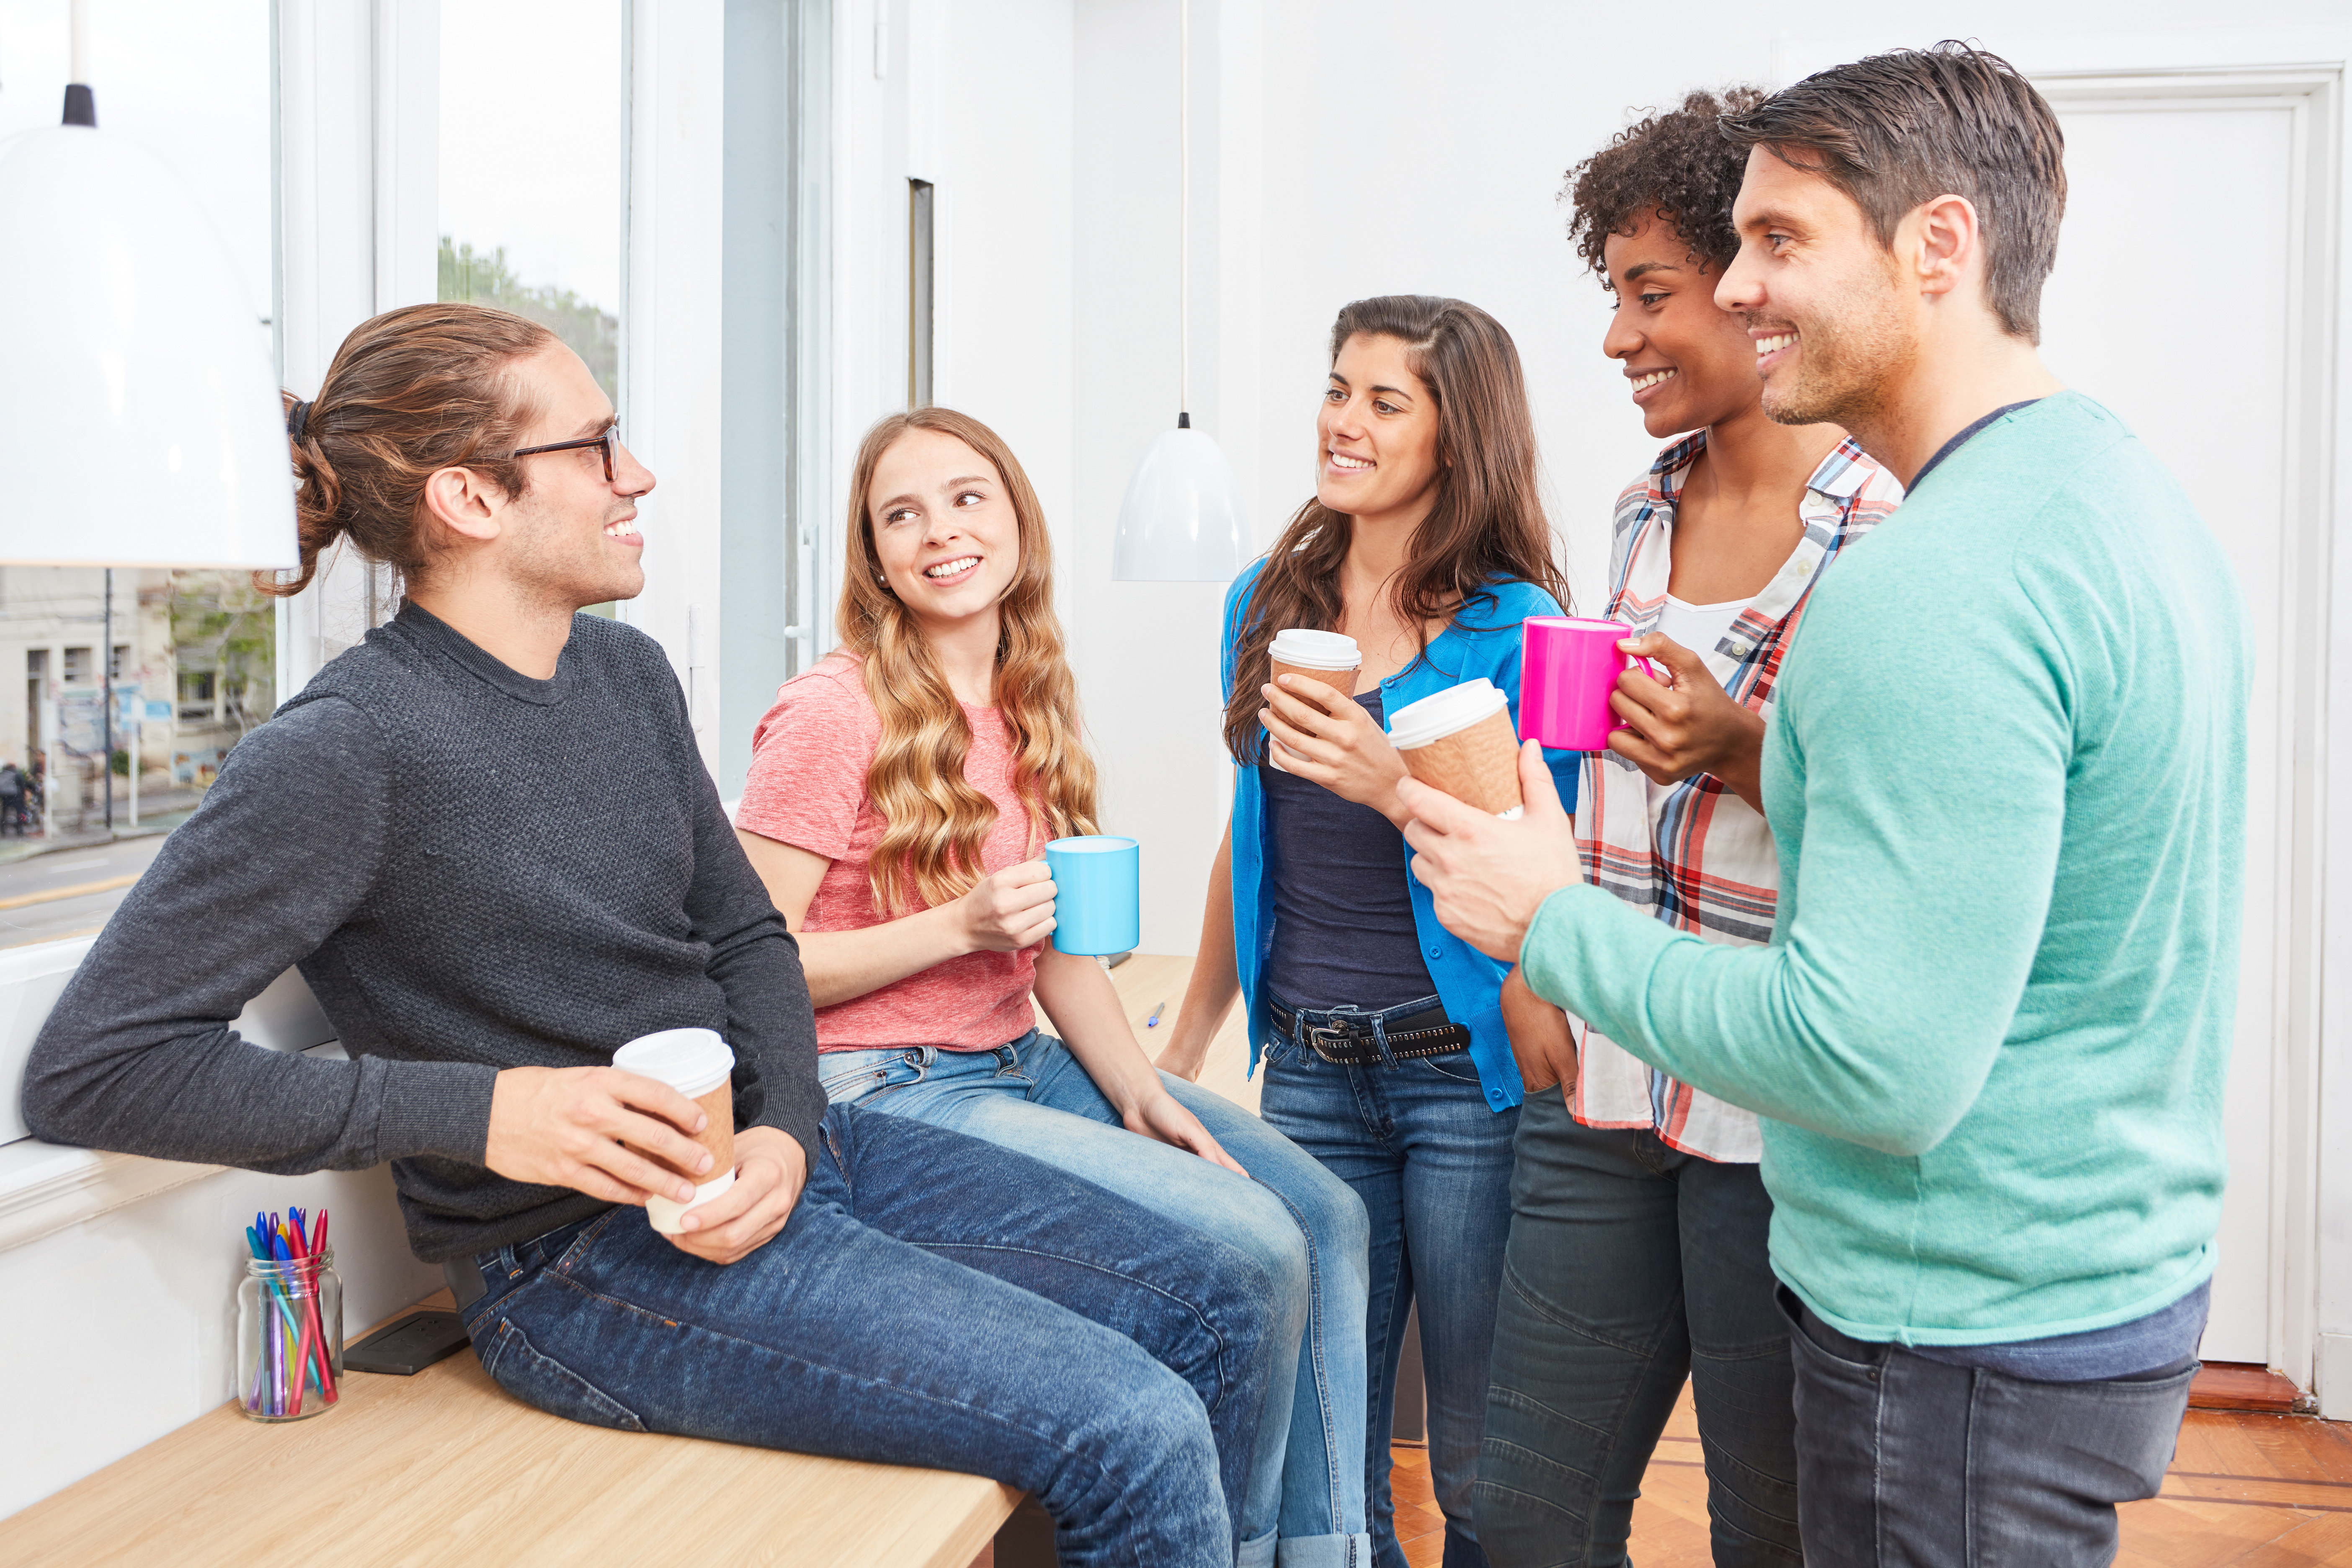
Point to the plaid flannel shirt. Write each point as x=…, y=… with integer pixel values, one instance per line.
x=1695, y=854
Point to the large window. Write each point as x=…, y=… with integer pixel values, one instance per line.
x=533, y=206
x=534, y=138
x=121, y=692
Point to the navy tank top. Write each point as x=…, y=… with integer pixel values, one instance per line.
x=1343, y=930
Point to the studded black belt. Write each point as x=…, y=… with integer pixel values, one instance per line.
x=1347, y=1040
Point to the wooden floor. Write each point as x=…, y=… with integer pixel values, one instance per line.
x=1150, y=981
x=2258, y=1491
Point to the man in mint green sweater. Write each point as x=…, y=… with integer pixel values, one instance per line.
x=2007, y=781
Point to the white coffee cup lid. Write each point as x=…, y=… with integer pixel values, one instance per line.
x=691, y=1061
x=1454, y=708
x=1316, y=650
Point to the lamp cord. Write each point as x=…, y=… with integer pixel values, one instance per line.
x=1183, y=214
x=81, y=106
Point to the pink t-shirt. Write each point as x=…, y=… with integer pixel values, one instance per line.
x=807, y=789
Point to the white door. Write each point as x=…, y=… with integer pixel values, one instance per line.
x=2178, y=301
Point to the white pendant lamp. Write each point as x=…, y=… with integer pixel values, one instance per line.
x=139, y=412
x=1181, y=521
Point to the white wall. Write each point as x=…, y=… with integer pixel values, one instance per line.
x=993, y=121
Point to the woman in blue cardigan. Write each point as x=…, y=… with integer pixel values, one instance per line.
x=1381, y=1032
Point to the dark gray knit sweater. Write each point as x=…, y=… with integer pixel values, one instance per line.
x=474, y=871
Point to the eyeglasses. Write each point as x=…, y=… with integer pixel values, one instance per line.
x=608, y=442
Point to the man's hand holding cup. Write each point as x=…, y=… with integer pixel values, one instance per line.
x=1488, y=874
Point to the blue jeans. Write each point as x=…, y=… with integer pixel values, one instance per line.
x=1631, y=1265
x=1014, y=1323
x=1432, y=1163
x=1304, y=1504
x=1903, y=1462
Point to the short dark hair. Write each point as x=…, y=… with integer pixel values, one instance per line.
x=1900, y=129
x=1676, y=165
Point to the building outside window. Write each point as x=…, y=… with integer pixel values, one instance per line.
x=191, y=85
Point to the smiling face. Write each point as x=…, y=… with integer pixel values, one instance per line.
x=1689, y=363
x=573, y=538
x=1819, y=295
x=1376, y=438
x=945, y=532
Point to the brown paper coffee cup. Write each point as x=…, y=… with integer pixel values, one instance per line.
x=1478, y=765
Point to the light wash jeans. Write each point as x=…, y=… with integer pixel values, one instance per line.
x=1304, y=1502
x=1432, y=1160
x=1017, y=1324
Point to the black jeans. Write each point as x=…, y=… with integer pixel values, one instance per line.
x=1629, y=1267
x=1912, y=1463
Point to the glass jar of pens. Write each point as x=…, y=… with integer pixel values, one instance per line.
x=290, y=1320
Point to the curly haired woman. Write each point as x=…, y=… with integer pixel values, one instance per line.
x=1639, y=1220
x=899, y=795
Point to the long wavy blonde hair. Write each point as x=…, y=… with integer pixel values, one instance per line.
x=934, y=821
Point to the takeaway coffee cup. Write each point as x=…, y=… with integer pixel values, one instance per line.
x=1568, y=668
x=1332, y=657
x=1460, y=742
x=1098, y=905
x=697, y=1063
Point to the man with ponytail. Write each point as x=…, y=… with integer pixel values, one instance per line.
x=485, y=837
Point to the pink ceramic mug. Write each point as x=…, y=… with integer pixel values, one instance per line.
x=1568, y=668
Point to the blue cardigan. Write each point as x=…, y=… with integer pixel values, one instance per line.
x=1483, y=640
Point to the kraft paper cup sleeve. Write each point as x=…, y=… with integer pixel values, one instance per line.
x=718, y=1134
x=666, y=1215
x=1342, y=681
x=1478, y=765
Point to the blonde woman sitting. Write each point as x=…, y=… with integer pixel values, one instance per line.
x=900, y=793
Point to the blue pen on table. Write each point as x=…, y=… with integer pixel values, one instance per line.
x=261, y=1364
x=1153, y=1021
x=269, y=1388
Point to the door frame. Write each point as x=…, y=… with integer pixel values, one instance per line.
x=2304, y=1035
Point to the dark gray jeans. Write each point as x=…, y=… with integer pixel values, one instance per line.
x=1903, y=1462
x=1631, y=1266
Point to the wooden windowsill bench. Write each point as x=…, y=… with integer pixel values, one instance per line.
x=447, y=1467
x=423, y=1468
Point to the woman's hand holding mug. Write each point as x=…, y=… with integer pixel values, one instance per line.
x=1329, y=739
x=1690, y=727
x=1010, y=910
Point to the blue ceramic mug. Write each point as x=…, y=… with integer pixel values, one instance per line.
x=1098, y=902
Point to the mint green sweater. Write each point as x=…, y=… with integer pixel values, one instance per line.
x=2007, y=779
